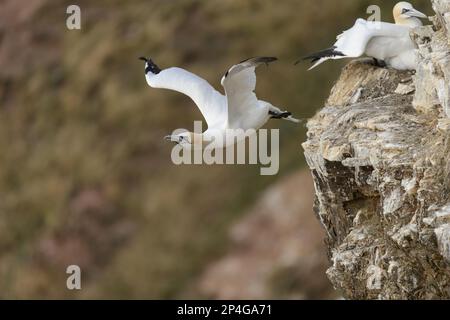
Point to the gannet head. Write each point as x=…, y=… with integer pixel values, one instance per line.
x=182, y=138
x=188, y=140
x=405, y=14
x=150, y=66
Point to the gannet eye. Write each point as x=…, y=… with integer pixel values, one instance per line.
x=405, y=11
x=180, y=139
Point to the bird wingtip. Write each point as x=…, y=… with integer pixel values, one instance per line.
x=259, y=60
x=266, y=60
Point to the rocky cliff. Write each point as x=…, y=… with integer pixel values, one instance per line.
x=379, y=152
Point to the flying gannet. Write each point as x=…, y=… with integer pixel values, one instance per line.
x=385, y=42
x=239, y=108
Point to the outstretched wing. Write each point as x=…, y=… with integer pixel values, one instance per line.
x=240, y=83
x=380, y=37
x=353, y=42
x=212, y=104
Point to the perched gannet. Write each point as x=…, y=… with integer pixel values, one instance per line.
x=385, y=42
x=239, y=108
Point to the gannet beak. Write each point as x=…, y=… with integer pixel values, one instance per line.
x=175, y=139
x=416, y=13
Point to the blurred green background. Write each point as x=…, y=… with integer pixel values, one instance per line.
x=85, y=176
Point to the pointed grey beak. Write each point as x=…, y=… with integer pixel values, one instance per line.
x=416, y=13
x=172, y=139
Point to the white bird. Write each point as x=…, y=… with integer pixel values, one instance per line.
x=385, y=42
x=239, y=108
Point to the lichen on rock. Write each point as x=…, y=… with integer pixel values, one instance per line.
x=379, y=152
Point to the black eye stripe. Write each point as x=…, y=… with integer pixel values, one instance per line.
x=405, y=11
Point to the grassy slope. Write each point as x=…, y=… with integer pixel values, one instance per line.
x=85, y=177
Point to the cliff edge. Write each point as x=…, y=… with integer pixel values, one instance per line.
x=379, y=152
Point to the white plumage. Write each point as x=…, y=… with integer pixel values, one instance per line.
x=239, y=108
x=212, y=104
x=387, y=42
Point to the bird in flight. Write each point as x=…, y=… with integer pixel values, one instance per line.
x=238, y=109
x=388, y=43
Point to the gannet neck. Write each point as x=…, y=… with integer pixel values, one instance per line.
x=411, y=22
x=196, y=139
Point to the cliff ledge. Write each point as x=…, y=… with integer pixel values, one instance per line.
x=379, y=152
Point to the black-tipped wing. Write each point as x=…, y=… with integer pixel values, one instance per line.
x=240, y=83
x=327, y=53
x=212, y=104
x=353, y=43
